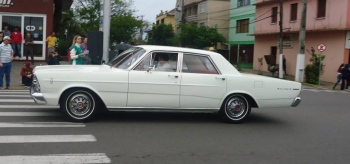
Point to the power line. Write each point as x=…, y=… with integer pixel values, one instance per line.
x=254, y=21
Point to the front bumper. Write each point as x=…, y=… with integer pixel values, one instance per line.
x=36, y=95
x=296, y=102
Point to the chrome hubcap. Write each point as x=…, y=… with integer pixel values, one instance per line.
x=79, y=104
x=236, y=107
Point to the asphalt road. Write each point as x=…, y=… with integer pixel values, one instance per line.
x=317, y=131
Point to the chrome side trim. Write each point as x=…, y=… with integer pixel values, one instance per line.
x=296, y=102
x=175, y=110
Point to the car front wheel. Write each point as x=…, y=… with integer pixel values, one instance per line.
x=79, y=105
x=235, y=109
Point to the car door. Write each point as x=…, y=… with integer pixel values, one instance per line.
x=202, y=85
x=155, y=82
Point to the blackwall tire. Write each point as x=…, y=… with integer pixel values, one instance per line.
x=235, y=109
x=79, y=105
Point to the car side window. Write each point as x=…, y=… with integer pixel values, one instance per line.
x=159, y=61
x=198, y=64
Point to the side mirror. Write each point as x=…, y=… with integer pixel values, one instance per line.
x=150, y=68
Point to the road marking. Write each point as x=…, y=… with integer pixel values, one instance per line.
x=11, y=96
x=23, y=90
x=28, y=107
x=22, y=93
x=41, y=125
x=28, y=114
x=16, y=100
x=46, y=138
x=55, y=159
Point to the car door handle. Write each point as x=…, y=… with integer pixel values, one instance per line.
x=222, y=78
x=176, y=76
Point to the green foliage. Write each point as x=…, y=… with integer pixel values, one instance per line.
x=199, y=37
x=162, y=35
x=123, y=28
x=314, y=70
x=85, y=17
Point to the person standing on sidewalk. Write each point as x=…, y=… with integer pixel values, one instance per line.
x=6, y=31
x=16, y=37
x=1, y=37
x=76, y=53
x=28, y=47
x=86, y=58
x=51, y=42
x=338, y=76
x=345, y=77
x=6, y=57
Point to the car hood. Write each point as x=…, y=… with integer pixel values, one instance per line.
x=68, y=68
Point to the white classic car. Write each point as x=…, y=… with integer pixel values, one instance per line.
x=161, y=79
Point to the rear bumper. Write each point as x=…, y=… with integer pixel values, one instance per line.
x=296, y=102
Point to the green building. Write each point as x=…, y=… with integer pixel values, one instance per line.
x=241, y=40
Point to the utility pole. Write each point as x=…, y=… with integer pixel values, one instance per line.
x=299, y=72
x=141, y=30
x=106, y=28
x=280, y=71
x=183, y=20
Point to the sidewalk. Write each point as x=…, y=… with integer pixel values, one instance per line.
x=16, y=78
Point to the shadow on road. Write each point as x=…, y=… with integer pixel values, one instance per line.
x=158, y=117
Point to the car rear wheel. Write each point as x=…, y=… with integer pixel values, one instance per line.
x=235, y=109
x=79, y=105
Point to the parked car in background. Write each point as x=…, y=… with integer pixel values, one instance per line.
x=161, y=79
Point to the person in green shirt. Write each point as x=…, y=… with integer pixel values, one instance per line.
x=76, y=53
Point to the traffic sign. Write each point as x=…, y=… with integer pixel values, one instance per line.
x=321, y=47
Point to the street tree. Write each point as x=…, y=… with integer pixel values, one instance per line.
x=199, y=37
x=123, y=28
x=88, y=12
x=162, y=35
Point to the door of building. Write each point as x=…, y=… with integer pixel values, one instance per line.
x=35, y=24
x=274, y=54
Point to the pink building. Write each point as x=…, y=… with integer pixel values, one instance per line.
x=327, y=23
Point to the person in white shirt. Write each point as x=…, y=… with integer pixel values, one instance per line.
x=6, y=57
x=164, y=63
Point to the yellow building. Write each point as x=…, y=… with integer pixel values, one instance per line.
x=167, y=17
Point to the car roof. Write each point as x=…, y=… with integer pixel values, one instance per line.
x=171, y=48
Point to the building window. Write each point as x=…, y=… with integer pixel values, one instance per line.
x=243, y=3
x=202, y=8
x=157, y=22
x=321, y=8
x=162, y=21
x=242, y=26
x=294, y=12
x=274, y=15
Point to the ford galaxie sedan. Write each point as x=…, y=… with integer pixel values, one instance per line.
x=160, y=79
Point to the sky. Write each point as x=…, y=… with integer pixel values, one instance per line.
x=150, y=8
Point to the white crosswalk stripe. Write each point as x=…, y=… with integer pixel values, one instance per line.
x=18, y=104
x=56, y=159
x=40, y=125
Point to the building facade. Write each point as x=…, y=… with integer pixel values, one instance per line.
x=241, y=40
x=35, y=17
x=211, y=13
x=167, y=17
x=326, y=23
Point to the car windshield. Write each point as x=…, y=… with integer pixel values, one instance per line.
x=127, y=58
